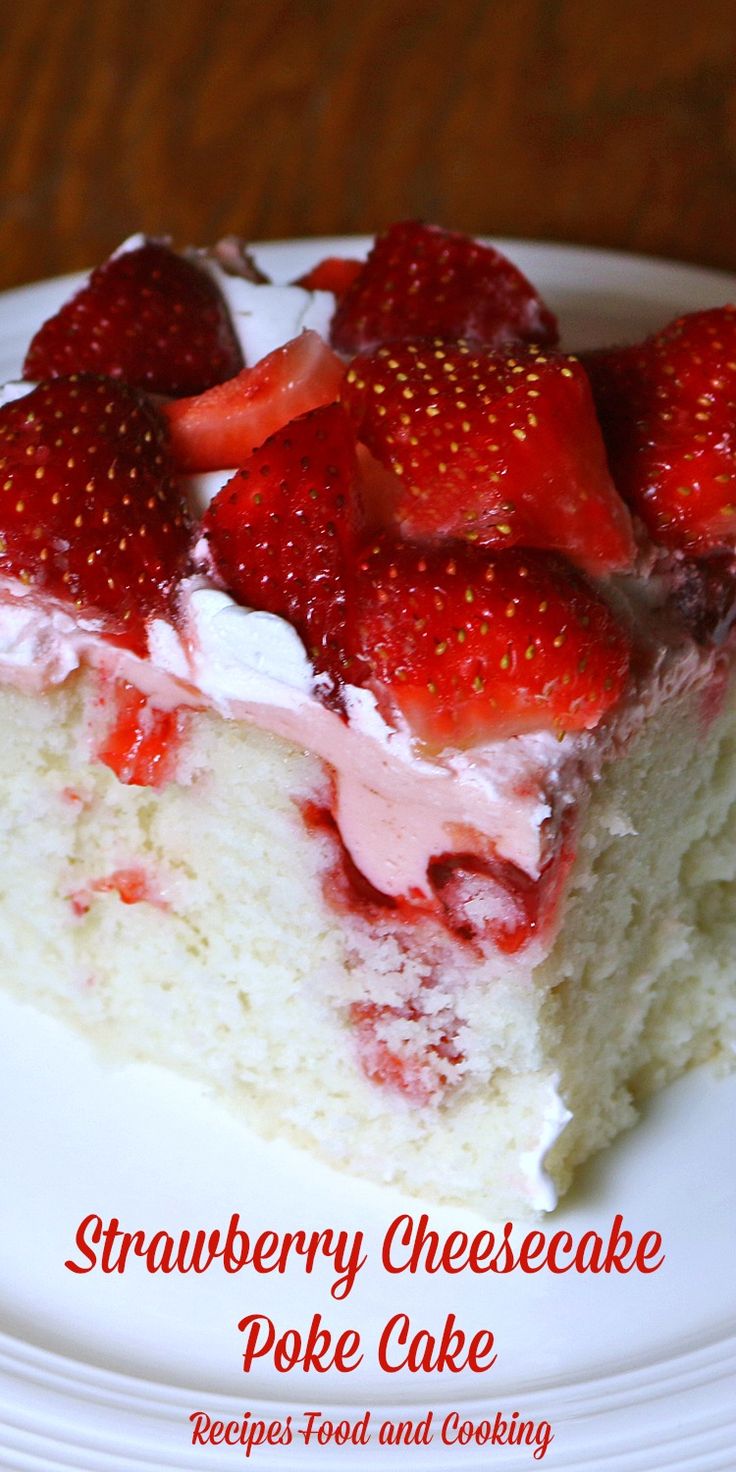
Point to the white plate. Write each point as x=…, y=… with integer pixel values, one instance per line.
x=636, y=1373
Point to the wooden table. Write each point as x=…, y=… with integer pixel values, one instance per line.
x=576, y=120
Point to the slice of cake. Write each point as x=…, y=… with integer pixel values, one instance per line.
x=369, y=753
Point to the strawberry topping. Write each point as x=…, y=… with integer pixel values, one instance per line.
x=148, y=316
x=490, y=448
x=90, y=510
x=226, y=424
x=282, y=531
x=421, y=281
x=469, y=645
x=668, y=411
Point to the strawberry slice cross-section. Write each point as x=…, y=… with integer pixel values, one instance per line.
x=335, y=274
x=222, y=427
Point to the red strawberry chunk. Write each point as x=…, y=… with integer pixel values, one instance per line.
x=668, y=411
x=492, y=448
x=469, y=646
x=148, y=316
x=222, y=427
x=90, y=510
x=282, y=530
x=421, y=281
x=142, y=744
x=334, y=274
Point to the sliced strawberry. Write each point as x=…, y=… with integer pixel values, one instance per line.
x=492, y=448
x=470, y=646
x=421, y=281
x=148, y=316
x=90, y=509
x=334, y=274
x=668, y=412
x=225, y=425
x=282, y=531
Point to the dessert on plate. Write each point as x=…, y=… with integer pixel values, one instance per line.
x=366, y=678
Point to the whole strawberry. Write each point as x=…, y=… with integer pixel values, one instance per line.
x=470, y=646
x=495, y=448
x=148, y=316
x=282, y=532
x=421, y=281
x=90, y=510
x=667, y=407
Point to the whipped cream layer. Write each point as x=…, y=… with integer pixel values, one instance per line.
x=396, y=806
x=265, y=317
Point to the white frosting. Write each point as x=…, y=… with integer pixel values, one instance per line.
x=9, y=392
x=42, y=641
x=38, y=646
x=542, y=1190
x=395, y=808
x=265, y=317
x=235, y=655
x=202, y=486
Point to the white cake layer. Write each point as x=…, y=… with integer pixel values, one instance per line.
x=239, y=971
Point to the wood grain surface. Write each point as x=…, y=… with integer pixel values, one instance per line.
x=611, y=122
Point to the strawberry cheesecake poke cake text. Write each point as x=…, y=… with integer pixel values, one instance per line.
x=366, y=678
